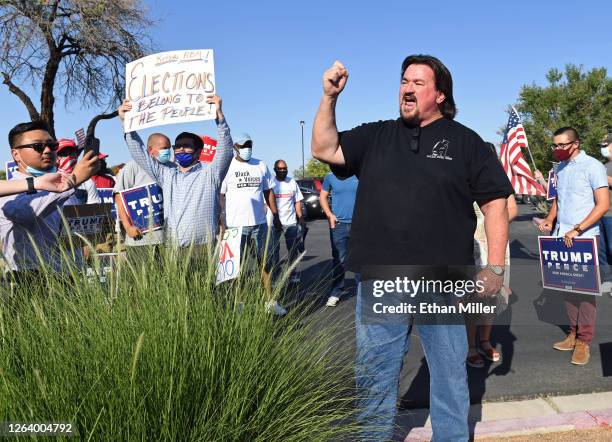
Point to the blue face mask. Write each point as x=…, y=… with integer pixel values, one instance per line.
x=184, y=159
x=245, y=153
x=605, y=152
x=163, y=156
x=35, y=172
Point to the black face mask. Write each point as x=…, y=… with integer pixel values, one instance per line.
x=281, y=174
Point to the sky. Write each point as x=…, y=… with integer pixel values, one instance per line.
x=270, y=57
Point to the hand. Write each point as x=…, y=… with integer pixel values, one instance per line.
x=569, y=236
x=123, y=108
x=133, y=232
x=86, y=167
x=278, y=225
x=54, y=182
x=491, y=283
x=332, y=220
x=334, y=80
x=545, y=226
x=538, y=175
x=216, y=100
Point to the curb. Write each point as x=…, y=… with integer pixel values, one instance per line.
x=579, y=420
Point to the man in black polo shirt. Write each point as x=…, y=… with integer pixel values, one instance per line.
x=418, y=178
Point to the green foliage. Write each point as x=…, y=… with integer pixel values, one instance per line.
x=159, y=351
x=572, y=98
x=314, y=168
x=2, y=174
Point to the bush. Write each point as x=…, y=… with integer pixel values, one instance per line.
x=159, y=351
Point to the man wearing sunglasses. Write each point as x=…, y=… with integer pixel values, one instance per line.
x=191, y=189
x=582, y=199
x=30, y=223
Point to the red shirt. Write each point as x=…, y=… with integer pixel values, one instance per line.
x=103, y=181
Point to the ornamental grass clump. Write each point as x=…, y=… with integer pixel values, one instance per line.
x=159, y=351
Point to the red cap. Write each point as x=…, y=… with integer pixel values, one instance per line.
x=101, y=156
x=64, y=143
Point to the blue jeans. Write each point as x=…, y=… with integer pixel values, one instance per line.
x=378, y=362
x=257, y=239
x=339, y=237
x=605, y=247
x=293, y=242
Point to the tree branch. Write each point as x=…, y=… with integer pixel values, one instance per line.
x=34, y=115
x=94, y=121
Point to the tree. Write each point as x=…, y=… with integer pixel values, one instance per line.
x=78, y=48
x=582, y=100
x=314, y=168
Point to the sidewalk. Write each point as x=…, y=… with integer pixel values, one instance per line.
x=534, y=419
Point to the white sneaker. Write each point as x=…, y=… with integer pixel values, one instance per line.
x=332, y=301
x=276, y=308
x=606, y=287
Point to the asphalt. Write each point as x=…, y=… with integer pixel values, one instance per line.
x=524, y=334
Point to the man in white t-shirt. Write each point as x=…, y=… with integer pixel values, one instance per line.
x=244, y=193
x=288, y=201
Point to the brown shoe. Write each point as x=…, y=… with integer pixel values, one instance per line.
x=581, y=353
x=567, y=344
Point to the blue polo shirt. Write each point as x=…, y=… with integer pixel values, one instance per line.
x=343, y=195
x=577, y=179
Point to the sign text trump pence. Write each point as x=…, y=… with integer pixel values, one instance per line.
x=170, y=87
x=569, y=269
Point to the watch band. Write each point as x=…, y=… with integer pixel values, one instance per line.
x=31, y=188
x=578, y=229
x=497, y=270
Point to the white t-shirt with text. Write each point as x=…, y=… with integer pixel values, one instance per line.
x=243, y=188
x=287, y=193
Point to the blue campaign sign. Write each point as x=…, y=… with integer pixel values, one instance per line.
x=106, y=195
x=142, y=201
x=551, y=191
x=10, y=167
x=570, y=269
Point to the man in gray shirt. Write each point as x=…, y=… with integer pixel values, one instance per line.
x=132, y=175
x=30, y=223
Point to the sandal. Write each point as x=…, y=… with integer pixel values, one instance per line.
x=489, y=353
x=474, y=359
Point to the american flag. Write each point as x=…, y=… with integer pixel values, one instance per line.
x=80, y=134
x=513, y=162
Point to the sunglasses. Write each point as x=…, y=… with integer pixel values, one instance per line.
x=40, y=146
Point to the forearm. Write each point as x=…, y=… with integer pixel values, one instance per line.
x=325, y=204
x=271, y=200
x=552, y=215
x=594, y=216
x=325, y=139
x=121, y=212
x=496, y=230
x=298, y=209
x=12, y=187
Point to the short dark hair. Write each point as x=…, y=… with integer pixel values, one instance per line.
x=567, y=129
x=278, y=161
x=444, y=81
x=22, y=128
x=197, y=141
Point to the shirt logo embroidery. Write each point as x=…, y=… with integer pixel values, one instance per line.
x=440, y=151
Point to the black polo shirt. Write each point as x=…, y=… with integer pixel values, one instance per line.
x=416, y=208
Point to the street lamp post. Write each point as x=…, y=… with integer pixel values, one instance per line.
x=303, y=167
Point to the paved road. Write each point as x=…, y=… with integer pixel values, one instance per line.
x=529, y=368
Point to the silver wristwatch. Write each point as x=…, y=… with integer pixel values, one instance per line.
x=498, y=270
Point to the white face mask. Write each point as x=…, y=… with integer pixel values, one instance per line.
x=605, y=152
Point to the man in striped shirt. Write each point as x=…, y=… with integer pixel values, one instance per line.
x=191, y=189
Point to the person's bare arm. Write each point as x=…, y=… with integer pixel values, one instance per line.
x=298, y=210
x=325, y=145
x=512, y=208
x=323, y=201
x=546, y=226
x=131, y=230
x=496, y=229
x=609, y=181
x=271, y=200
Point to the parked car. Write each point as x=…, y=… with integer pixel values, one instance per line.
x=311, y=206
